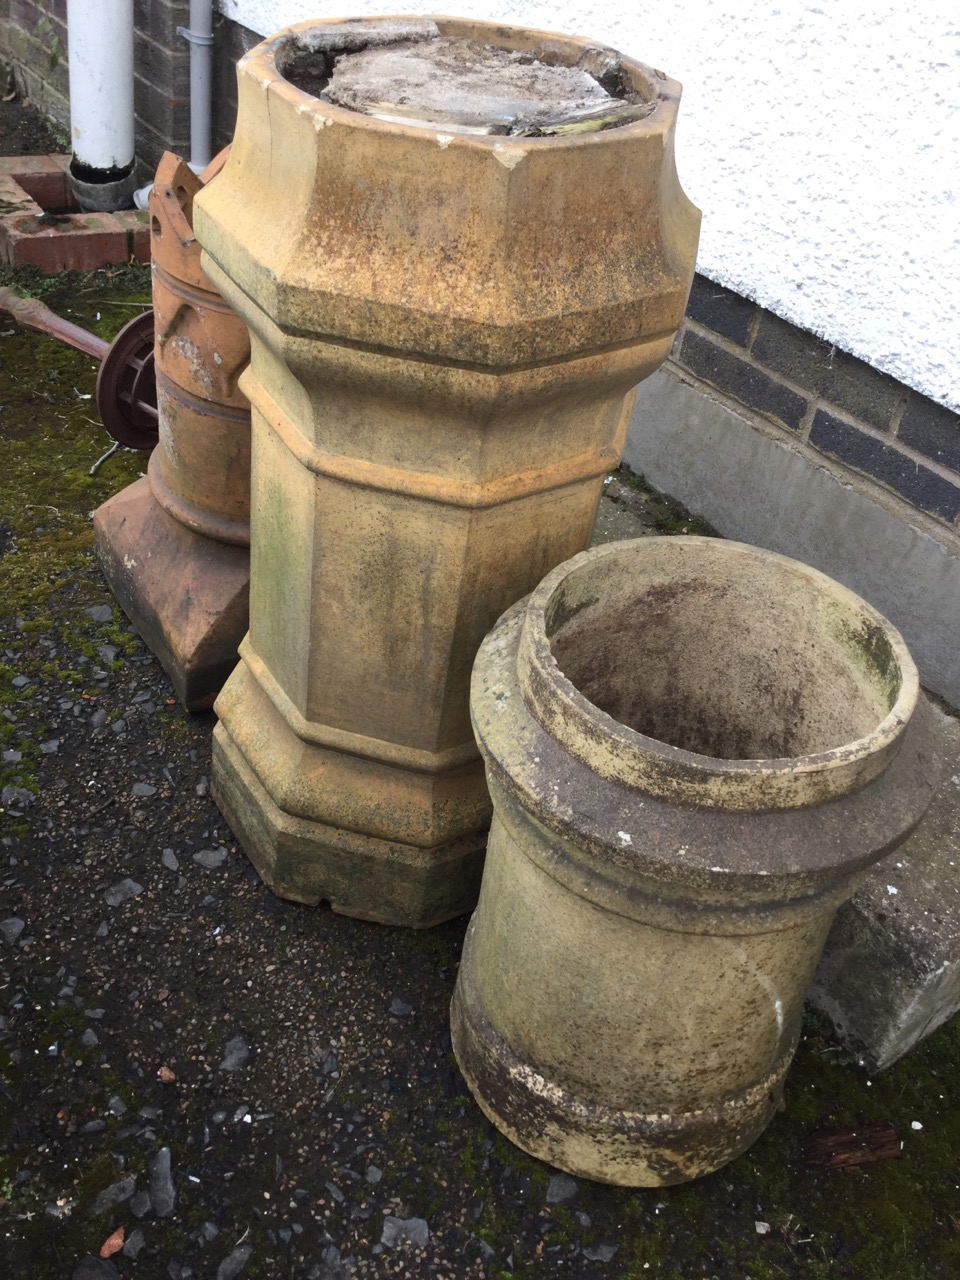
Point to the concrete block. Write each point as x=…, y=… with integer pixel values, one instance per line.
x=890, y=972
x=755, y=484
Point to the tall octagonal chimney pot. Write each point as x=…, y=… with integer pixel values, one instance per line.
x=458, y=247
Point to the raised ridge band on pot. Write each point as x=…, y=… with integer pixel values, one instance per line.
x=822, y=626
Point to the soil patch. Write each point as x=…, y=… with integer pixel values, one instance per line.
x=24, y=132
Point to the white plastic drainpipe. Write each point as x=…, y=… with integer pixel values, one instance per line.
x=200, y=35
x=100, y=51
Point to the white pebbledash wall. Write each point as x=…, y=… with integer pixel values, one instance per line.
x=821, y=141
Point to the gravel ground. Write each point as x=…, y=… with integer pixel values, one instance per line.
x=198, y=1079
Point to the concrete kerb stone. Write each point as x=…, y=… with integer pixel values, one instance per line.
x=890, y=972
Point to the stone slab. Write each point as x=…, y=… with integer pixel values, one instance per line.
x=890, y=972
x=454, y=81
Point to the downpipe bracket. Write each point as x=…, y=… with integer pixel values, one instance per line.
x=194, y=37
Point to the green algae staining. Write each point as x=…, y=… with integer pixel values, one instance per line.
x=663, y=513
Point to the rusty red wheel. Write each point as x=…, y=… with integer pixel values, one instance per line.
x=127, y=386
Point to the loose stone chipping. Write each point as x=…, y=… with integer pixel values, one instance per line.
x=163, y=1191
x=116, y=1194
x=401, y=1231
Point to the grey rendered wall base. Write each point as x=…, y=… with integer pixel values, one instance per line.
x=752, y=483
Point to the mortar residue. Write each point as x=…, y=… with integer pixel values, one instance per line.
x=410, y=74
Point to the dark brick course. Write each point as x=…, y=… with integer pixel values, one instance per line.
x=719, y=309
x=168, y=115
x=232, y=42
x=851, y=384
x=159, y=20
x=741, y=379
x=932, y=430
x=168, y=69
x=911, y=479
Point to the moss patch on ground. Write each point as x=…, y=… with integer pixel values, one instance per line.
x=47, y=493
